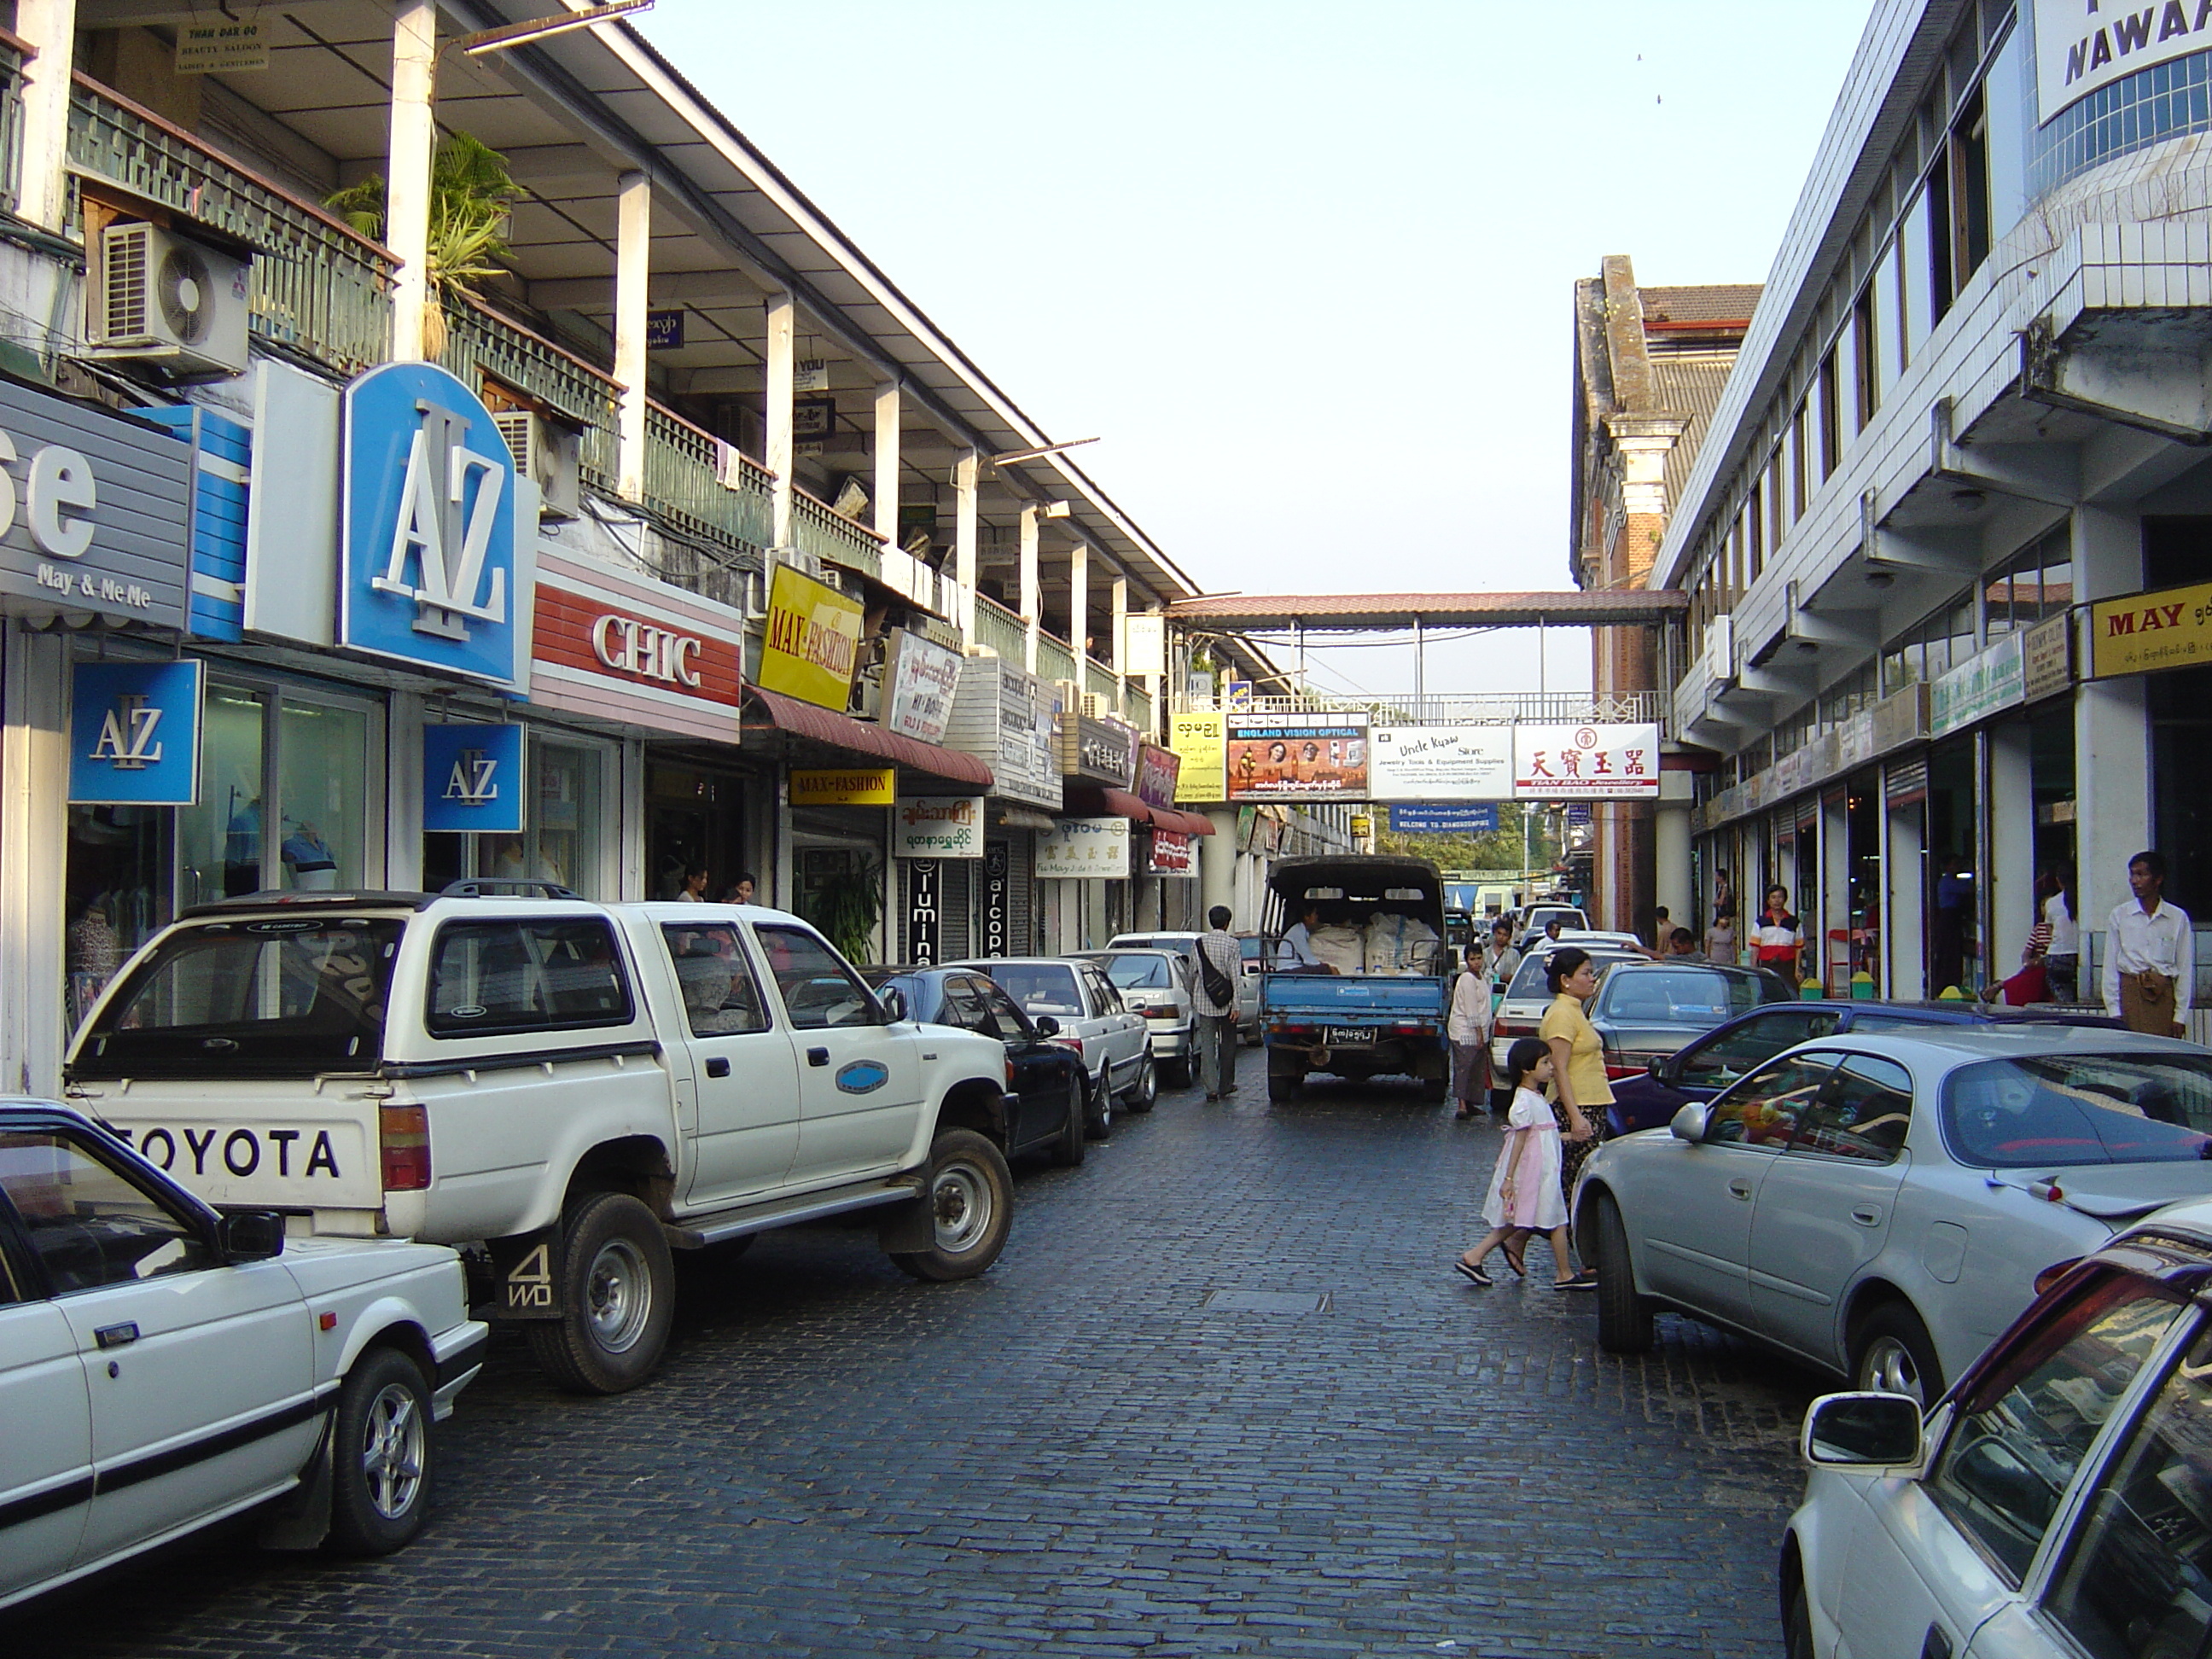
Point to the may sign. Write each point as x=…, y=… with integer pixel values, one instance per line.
x=435, y=574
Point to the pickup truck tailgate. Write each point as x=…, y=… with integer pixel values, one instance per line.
x=1345, y=1000
x=290, y=1145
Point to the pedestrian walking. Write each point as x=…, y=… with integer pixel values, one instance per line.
x=1580, y=1089
x=1220, y=960
x=1500, y=961
x=1524, y=1197
x=2150, y=954
x=1777, y=942
x=2062, y=962
x=1468, y=1027
x=1720, y=937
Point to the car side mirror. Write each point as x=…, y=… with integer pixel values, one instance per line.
x=250, y=1235
x=1864, y=1431
x=1047, y=1025
x=1689, y=1123
x=1659, y=1069
x=894, y=1003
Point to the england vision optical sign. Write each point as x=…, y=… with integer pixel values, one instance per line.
x=433, y=572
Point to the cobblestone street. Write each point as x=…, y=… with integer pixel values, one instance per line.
x=1078, y=1453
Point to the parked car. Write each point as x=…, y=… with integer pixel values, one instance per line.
x=1646, y=1010
x=2054, y=1506
x=1110, y=1037
x=1881, y=1206
x=1159, y=985
x=1047, y=1090
x=1252, y=951
x=1184, y=944
x=163, y=1366
x=1539, y=916
x=1521, y=1011
x=576, y=1087
x=1701, y=1069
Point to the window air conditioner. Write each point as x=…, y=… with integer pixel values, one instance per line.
x=167, y=299
x=546, y=452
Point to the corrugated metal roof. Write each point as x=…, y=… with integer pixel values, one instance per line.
x=1715, y=302
x=1688, y=383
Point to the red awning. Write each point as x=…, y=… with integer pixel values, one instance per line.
x=804, y=719
x=1189, y=824
x=1089, y=799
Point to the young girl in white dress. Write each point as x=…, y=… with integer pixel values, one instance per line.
x=1524, y=1189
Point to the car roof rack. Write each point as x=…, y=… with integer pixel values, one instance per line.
x=276, y=898
x=497, y=887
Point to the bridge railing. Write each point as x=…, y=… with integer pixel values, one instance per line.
x=1460, y=709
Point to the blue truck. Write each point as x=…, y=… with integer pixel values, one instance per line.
x=1374, y=1004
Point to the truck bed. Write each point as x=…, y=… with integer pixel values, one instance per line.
x=1351, y=998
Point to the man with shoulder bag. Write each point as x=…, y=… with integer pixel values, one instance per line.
x=1221, y=964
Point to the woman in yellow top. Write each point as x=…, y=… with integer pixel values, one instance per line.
x=1581, y=1091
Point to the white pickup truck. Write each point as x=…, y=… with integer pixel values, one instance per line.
x=574, y=1087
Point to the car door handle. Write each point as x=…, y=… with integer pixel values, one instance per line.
x=1937, y=1644
x=818, y=1056
x=1741, y=1188
x=1867, y=1216
x=115, y=1336
x=718, y=1067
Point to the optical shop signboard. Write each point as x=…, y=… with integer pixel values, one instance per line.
x=1308, y=756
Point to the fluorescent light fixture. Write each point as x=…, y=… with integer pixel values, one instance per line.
x=542, y=28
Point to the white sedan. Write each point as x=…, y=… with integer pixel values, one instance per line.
x=1882, y=1204
x=2057, y=1504
x=163, y=1365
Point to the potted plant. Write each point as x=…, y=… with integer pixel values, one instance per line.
x=472, y=197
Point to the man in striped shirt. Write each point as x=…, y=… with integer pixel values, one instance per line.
x=1220, y=965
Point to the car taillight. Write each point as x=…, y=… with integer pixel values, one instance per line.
x=407, y=1136
x=1514, y=1028
x=1010, y=1074
x=1074, y=1043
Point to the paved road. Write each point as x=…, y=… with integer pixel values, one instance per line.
x=1078, y=1454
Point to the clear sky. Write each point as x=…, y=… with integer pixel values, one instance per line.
x=1305, y=268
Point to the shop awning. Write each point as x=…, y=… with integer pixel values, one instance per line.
x=1089, y=800
x=1189, y=824
x=804, y=719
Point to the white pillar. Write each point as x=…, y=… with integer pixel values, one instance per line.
x=2112, y=734
x=1670, y=850
x=1032, y=599
x=633, y=273
x=50, y=27
x=1121, y=628
x=34, y=842
x=887, y=463
x=1835, y=907
x=402, y=794
x=2011, y=857
x=1153, y=681
x=1905, y=929
x=407, y=170
x=776, y=391
x=964, y=539
x=1079, y=610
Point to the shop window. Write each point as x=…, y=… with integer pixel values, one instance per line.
x=1832, y=432
x=2036, y=582
x=1797, y=490
x=560, y=839
x=1866, y=364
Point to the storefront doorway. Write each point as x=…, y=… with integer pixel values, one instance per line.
x=694, y=819
x=1954, y=906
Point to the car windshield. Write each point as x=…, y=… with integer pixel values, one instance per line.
x=1676, y=996
x=1040, y=987
x=2061, y=1110
x=285, y=997
x=1532, y=980
x=1141, y=973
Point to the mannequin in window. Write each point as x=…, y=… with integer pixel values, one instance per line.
x=308, y=860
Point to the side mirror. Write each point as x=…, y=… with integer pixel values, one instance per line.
x=1867, y=1431
x=1689, y=1123
x=1045, y=1026
x=1658, y=1069
x=250, y=1235
x=894, y=1003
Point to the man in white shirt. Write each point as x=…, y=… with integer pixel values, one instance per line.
x=1467, y=1027
x=1296, y=948
x=2150, y=954
x=1221, y=965
x=1500, y=961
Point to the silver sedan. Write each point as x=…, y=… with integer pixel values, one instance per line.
x=1883, y=1206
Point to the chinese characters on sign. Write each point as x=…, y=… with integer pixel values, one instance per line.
x=1084, y=849
x=1296, y=757
x=1586, y=763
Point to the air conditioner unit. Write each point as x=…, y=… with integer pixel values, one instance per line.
x=167, y=299
x=548, y=453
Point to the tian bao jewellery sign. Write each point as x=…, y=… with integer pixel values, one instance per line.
x=135, y=733
x=1586, y=763
x=472, y=779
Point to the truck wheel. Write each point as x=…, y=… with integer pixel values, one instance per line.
x=1434, y=1089
x=617, y=1287
x=1623, y=1318
x=1073, y=1143
x=381, y=1473
x=1145, y=1093
x=971, y=1199
x=1283, y=1084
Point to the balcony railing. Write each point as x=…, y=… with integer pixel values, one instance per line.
x=480, y=344
x=1138, y=708
x=1097, y=679
x=819, y=528
x=1002, y=630
x=1055, y=660
x=1478, y=708
x=318, y=285
x=706, y=485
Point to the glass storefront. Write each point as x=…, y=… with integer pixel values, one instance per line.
x=568, y=824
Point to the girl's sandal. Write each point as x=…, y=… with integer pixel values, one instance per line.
x=1515, y=1259
x=1472, y=1274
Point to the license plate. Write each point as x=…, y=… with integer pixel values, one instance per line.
x=1348, y=1035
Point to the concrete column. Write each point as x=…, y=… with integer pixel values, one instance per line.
x=1078, y=609
x=964, y=539
x=776, y=388
x=633, y=273
x=51, y=26
x=403, y=795
x=886, y=505
x=407, y=170
x=1153, y=681
x=1120, y=623
x=1670, y=839
x=2010, y=859
x=1835, y=909
x=1217, y=868
x=2112, y=733
x=1032, y=597
x=33, y=859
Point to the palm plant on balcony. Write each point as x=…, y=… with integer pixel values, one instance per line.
x=472, y=195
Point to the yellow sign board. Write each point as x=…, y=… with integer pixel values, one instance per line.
x=2172, y=628
x=1202, y=742
x=813, y=641
x=858, y=785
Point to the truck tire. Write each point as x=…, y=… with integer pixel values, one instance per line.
x=381, y=1455
x=1074, y=1142
x=1623, y=1318
x=1145, y=1093
x=1434, y=1089
x=617, y=1288
x=1284, y=1084
x=971, y=1197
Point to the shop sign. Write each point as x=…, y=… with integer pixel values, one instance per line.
x=1441, y=762
x=998, y=867
x=1586, y=763
x=1444, y=818
x=1084, y=849
x=433, y=574
x=1901, y=717
x=854, y=785
x=922, y=916
x=813, y=641
x=938, y=827
x=1172, y=855
x=580, y=632
x=2144, y=632
x=1310, y=757
x=2047, y=657
x=135, y=733
x=1158, y=770
x=1855, y=745
x=1197, y=741
x=2079, y=48
x=91, y=509
x=1004, y=716
x=1103, y=751
x=921, y=678
x=472, y=780
x=1983, y=685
